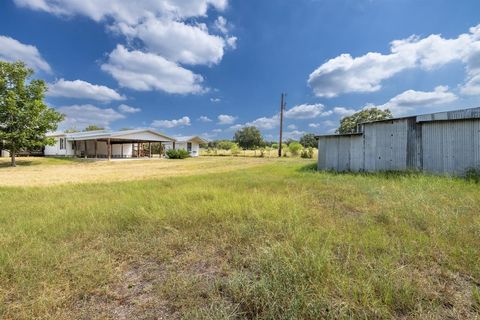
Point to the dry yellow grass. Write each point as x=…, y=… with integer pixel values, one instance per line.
x=54, y=171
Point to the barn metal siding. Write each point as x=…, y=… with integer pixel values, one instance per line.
x=451, y=147
x=443, y=143
x=386, y=145
x=340, y=153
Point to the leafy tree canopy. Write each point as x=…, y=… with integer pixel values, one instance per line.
x=224, y=144
x=249, y=138
x=93, y=127
x=308, y=140
x=349, y=124
x=24, y=117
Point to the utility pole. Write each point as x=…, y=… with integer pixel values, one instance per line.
x=282, y=108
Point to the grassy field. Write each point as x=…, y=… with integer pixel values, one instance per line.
x=235, y=238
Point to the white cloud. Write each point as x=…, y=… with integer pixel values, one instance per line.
x=294, y=134
x=265, y=123
x=215, y=100
x=184, y=121
x=131, y=12
x=305, y=111
x=224, y=119
x=145, y=71
x=217, y=130
x=346, y=74
x=82, y=90
x=204, y=119
x=221, y=25
x=409, y=100
x=13, y=50
x=329, y=123
x=166, y=33
x=236, y=127
x=179, y=42
x=314, y=125
x=472, y=86
x=292, y=127
x=128, y=109
x=81, y=116
x=344, y=112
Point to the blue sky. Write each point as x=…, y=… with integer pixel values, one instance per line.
x=209, y=67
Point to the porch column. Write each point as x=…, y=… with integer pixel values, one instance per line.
x=109, y=149
x=173, y=144
x=85, y=145
x=149, y=149
x=96, y=153
x=122, y=151
x=75, y=149
x=138, y=150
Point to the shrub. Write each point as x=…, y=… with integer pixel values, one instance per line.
x=295, y=148
x=177, y=154
x=307, y=153
x=473, y=174
x=234, y=149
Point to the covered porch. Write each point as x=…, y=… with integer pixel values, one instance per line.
x=118, y=145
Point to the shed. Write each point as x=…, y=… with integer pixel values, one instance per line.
x=443, y=142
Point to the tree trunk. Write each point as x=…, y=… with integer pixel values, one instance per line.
x=12, y=155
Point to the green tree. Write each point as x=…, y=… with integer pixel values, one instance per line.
x=24, y=117
x=295, y=148
x=308, y=140
x=349, y=124
x=225, y=144
x=94, y=127
x=249, y=138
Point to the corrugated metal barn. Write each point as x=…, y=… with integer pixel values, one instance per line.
x=444, y=143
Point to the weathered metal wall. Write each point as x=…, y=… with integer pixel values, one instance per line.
x=386, y=145
x=451, y=147
x=445, y=143
x=340, y=153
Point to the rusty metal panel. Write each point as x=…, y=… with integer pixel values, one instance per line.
x=386, y=145
x=451, y=147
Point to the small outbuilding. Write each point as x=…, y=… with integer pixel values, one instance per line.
x=191, y=144
x=443, y=143
x=106, y=144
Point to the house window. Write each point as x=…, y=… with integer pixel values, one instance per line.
x=189, y=146
x=62, y=144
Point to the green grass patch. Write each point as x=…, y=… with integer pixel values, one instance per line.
x=277, y=241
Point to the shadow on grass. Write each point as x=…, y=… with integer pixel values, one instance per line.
x=45, y=161
x=390, y=174
x=20, y=163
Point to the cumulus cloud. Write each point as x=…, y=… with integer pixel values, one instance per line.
x=305, y=111
x=170, y=32
x=265, y=122
x=215, y=100
x=294, y=134
x=410, y=100
x=131, y=12
x=292, y=127
x=13, y=50
x=81, y=116
x=180, y=42
x=82, y=90
x=225, y=119
x=145, y=72
x=314, y=125
x=184, y=121
x=347, y=74
x=204, y=119
x=344, y=112
x=128, y=109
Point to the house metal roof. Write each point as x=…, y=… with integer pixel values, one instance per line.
x=105, y=134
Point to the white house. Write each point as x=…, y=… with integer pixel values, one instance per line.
x=191, y=144
x=106, y=144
